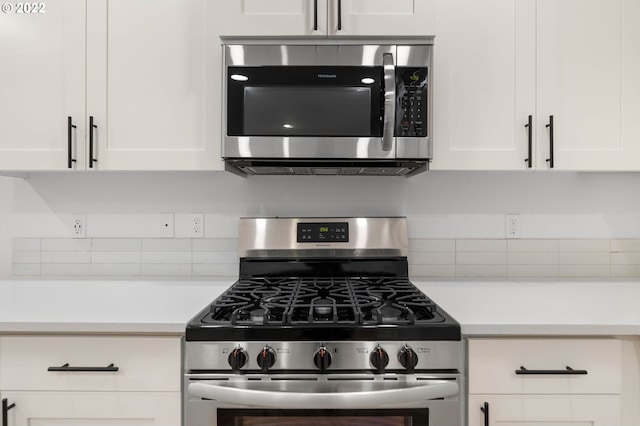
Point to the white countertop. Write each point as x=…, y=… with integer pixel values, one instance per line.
x=164, y=307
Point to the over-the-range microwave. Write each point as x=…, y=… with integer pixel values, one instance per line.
x=327, y=108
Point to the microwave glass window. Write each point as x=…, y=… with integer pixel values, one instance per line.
x=307, y=417
x=307, y=111
x=322, y=421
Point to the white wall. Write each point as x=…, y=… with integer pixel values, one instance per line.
x=437, y=204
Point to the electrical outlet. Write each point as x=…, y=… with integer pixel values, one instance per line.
x=78, y=226
x=189, y=225
x=512, y=224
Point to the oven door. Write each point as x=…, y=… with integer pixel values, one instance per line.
x=309, y=102
x=356, y=399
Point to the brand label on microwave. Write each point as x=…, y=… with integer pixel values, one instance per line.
x=327, y=76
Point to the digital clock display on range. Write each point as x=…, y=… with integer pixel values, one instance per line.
x=323, y=232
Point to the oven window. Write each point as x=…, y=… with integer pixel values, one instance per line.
x=261, y=417
x=307, y=111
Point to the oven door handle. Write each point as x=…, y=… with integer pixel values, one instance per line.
x=335, y=400
x=388, y=124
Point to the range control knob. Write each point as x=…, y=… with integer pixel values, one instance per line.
x=379, y=359
x=237, y=358
x=322, y=358
x=266, y=358
x=408, y=358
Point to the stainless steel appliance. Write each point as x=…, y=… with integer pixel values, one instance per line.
x=325, y=328
x=327, y=107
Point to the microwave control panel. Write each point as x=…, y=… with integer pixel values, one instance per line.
x=411, y=102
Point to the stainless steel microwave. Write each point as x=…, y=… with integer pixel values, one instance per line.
x=327, y=108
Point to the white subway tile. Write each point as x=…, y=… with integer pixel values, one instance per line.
x=63, y=269
x=625, y=258
x=116, y=244
x=66, y=244
x=532, y=258
x=583, y=271
x=532, y=245
x=584, y=258
x=215, y=270
x=116, y=269
x=481, y=271
x=481, y=245
x=130, y=225
x=533, y=271
x=66, y=257
x=166, y=257
x=213, y=244
x=419, y=245
x=625, y=271
x=26, y=244
x=583, y=245
x=481, y=258
x=24, y=269
x=166, y=269
x=214, y=257
x=26, y=256
x=433, y=258
x=625, y=245
x=178, y=244
x=432, y=271
x=115, y=257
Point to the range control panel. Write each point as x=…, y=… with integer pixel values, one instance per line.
x=323, y=232
x=411, y=110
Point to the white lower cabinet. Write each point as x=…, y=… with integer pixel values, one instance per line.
x=91, y=380
x=94, y=408
x=545, y=382
x=544, y=410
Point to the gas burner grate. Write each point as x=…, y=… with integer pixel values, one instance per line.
x=322, y=301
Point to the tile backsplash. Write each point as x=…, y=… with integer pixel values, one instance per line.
x=428, y=258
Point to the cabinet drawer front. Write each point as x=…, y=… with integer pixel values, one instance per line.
x=142, y=363
x=493, y=364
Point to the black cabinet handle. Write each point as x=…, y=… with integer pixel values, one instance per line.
x=567, y=370
x=339, y=15
x=485, y=411
x=315, y=15
x=529, y=127
x=550, y=127
x=70, y=127
x=66, y=367
x=5, y=411
x=91, y=127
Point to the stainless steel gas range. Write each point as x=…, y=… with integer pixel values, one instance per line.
x=323, y=327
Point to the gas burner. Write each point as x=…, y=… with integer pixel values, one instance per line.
x=321, y=301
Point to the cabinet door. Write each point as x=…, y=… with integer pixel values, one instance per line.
x=147, y=85
x=546, y=410
x=382, y=17
x=582, y=83
x=94, y=409
x=271, y=17
x=484, y=84
x=42, y=83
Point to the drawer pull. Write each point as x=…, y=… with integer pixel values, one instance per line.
x=568, y=370
x=66, y=367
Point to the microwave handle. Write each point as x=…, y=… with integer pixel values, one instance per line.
x=389, y=101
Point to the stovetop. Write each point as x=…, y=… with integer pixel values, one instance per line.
x=323, y=308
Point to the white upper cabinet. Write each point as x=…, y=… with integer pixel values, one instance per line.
x=499, y=61
x=147, y=85
x=588, y=72
x=42, y=83
x=484, y=84
x=326, y=18
x=131, y=75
